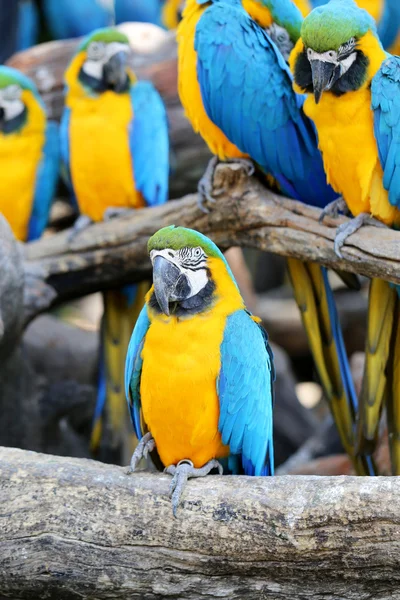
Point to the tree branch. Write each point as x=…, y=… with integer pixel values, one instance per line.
x=245, y=214
x=73, y=528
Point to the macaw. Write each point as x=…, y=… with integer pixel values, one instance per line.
x=142, y=11
x=76, y=18
x=224, y=61
x=115, y=148
x=353, y=97
x=29, y=156
x=28, y=24
x=199, y=370
x=387, y=16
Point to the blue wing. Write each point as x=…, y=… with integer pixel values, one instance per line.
x=246, y=88
x=149, y=144
x=75, y=18
x=386, y=106
x=245, y=390
x=133, y=369
x=46, y=182
x=28, y=25
x=143, y=11
x=65, y=154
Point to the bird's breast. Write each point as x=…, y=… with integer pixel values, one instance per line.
x=101, y=162
x=181, y=363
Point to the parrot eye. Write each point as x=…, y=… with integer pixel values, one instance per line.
x=12, y=92
x=96, y=51
x=197, y=252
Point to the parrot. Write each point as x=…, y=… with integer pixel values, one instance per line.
x=224, y=60
x=387, y=16
x=353, y=97
x=171, y=13
x=29, y=156
x=199, y=370
x=76, y=18
x=115, y=150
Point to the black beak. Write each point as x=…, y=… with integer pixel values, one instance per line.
x=322, y=76
x=170, y=284
x=114, y=72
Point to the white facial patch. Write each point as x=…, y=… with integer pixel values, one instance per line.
x=332, y=57
x=10, y=102
x=98, y=54
x=194, y=268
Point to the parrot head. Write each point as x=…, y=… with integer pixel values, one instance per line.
x=330, y=56
x=102, y=61
x=187, y=270
x=17, y=95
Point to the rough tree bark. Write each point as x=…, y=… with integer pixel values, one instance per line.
x=46, y=64
x=246, y=214
x=79, y=529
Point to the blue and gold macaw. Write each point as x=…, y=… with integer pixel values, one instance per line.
x=76, y=18
x=114, y=143
x=199, y=371
x=353, y=89
x=224, y=61
x=29, y=156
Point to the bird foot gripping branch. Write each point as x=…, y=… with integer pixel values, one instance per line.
x=183, y=471
x=208, y=190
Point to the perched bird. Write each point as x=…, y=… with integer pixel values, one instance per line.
x=353, y=92
x=199, y=371
x=114, y=143
x=142, y=11
x=225, y=58
x=76, y=18
x=29, y=156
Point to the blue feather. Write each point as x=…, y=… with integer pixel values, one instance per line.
x=142, y=11
x=75, y=18
x=133, y=369
x=245, y=394
x=46, y=182
x=28, y=25
x=149, y=144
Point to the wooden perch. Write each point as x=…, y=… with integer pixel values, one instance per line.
x=245, y=214
x=73, y=528
x=46, y=64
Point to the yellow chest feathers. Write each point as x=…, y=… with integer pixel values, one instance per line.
x=20, y=156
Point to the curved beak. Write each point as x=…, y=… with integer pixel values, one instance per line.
x=114, y=71
x=170, y=284
x=322, y=77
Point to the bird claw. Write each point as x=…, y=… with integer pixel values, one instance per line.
x=146, y=445
x=334, y=208
x=347, y=229
x=114, y=212
x=247, y=165
x=183, y=471
x=81, y=223
x=205, y=186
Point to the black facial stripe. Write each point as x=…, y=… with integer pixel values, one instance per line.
x=14, y=124
x=190, y=268
x=302, y=72
x=99, y=85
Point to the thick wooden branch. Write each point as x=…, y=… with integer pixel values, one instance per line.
x=73, y=528
x=245, y=214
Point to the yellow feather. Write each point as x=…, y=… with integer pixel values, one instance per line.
x=169, y=14
x=20, y=156
x=382, y=302
x=181, y=363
